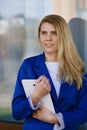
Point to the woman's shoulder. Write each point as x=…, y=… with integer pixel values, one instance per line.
x=32, y=58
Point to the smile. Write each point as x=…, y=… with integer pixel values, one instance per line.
x=48, y=45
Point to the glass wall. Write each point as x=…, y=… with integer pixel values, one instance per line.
x=18, y=39
x=12, y=47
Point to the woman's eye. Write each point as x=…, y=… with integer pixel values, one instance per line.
x=46, y=33
x=43, y=32
x=54, y=32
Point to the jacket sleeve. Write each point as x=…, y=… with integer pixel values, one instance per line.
x=21, y=107
x=78, y=115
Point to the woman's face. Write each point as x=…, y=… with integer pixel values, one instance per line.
x=48, y=38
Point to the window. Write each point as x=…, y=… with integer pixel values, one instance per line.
x=82, y=4
x=18, y=39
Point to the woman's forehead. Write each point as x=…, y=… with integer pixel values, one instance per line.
x=47, y=25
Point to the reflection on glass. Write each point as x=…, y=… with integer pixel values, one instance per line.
x=18, y=39
x=12, y=46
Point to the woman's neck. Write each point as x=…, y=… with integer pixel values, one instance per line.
x=51, y=57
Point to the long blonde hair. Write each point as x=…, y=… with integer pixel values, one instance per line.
x=72, y=67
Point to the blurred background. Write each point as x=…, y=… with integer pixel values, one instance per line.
x=19, y=21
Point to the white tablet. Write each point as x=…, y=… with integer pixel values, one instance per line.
x=29, y=86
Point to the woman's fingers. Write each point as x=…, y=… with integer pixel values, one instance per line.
x=42, y=86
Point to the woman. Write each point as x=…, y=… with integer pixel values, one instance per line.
x=58, y=71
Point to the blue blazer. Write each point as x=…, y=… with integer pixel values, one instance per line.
x=72, y=103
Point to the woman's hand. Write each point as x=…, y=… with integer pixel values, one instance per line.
x=42, y=88
x=45, y=115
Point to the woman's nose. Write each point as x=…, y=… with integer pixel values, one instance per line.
x=48, y=37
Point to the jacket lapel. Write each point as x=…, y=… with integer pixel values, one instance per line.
x=63, y=89
x=41, y=69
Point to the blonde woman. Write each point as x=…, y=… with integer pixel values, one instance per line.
x=59, y=71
